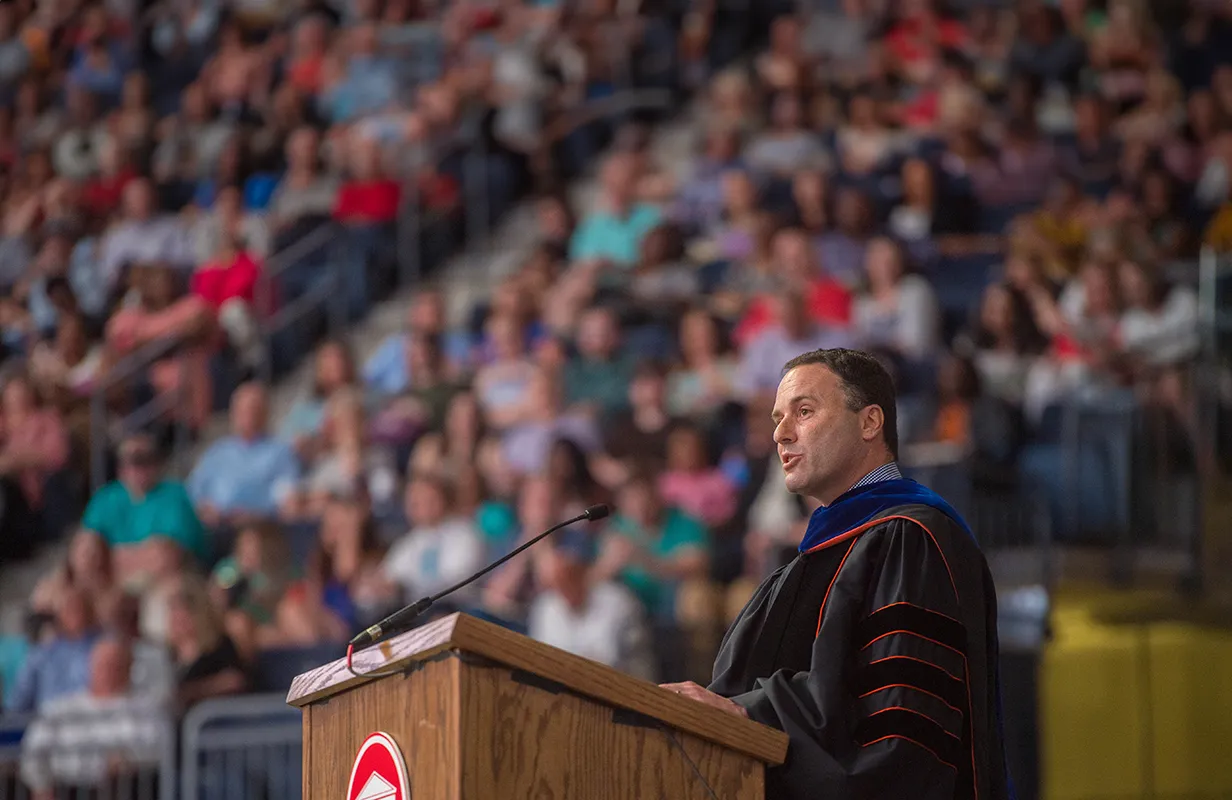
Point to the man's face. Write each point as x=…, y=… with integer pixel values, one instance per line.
x=138, y=467
x=248, y=412
x=819, y=438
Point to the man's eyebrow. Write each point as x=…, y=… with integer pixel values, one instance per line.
x=794, y=401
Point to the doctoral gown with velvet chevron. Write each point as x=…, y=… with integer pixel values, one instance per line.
x=876, y=652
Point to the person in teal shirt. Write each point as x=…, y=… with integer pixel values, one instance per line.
x=613, y=232
x=652, y=548
x=141, y=505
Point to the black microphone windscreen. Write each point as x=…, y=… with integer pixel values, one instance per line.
x=597, y=512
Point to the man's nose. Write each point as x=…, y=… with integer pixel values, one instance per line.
x=783, y=433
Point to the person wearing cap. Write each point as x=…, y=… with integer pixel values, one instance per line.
x=596, y=619
x=141, y=505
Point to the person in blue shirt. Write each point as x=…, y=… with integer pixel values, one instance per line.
x=60, y=666
x=244, y=475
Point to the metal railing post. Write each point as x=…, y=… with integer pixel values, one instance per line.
x=100, y=437
x=409, y=235
x=475, y=194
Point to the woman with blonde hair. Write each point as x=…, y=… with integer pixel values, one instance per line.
x=206, y=660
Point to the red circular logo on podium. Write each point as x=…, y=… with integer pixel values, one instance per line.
x=379, y=772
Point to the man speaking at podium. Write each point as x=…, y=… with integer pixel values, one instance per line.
x=875, y=650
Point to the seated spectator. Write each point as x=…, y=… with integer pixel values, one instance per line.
x=924, y=221
x=700, y=201
x=247, y=586
x=33, y=441
x=346, y=464
x=60, y=666
x=614, y=231
x=865, y=143
x=784, y=66
x=98, y=738
x=958, y=386
x=795, y=266
x=228, y=225
x=143, y=236
x=1167, y=233
x=898, y=312
x=636, y=438
x=663, y=282
x=88, y=567
x=786, y=145
x=440, y=548
x=103, y=192
x=333, y=370
x=527, y=445
x=162, y=312
x=513, y=585
x=598, y=376
x=1062, y=225
x=692, y=482
x=601, y=621
x=141, y=505
x=386, y=372
x=153, y=676
x=1005, y=343
x=248, y=473
x=369, y=197
x=66, y=367
x=305, y=194
x=1159, y=326
x=705, y=378
x=733, y=234
x=842, y=249
x=652, y=548
x=206, y=660
x=423, y=406
x=502, y=386
x=791, y=334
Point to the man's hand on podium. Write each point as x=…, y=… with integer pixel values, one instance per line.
x=693, y=691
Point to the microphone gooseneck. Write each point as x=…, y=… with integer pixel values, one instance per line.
x=400, y=619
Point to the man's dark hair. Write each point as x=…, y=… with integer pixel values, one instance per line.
x=865, y=383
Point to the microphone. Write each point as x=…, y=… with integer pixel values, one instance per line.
x=401, y=619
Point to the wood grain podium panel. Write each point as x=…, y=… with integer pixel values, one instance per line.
x=419, y=711
x=465, y=634
x=528, y=741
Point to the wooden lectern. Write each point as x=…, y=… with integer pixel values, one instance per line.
x=482, y=713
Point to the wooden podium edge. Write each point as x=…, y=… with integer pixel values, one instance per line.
x=581, y=675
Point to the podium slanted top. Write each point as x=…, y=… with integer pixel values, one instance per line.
x=465, y=634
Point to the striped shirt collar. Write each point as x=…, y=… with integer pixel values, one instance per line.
x=886, y=472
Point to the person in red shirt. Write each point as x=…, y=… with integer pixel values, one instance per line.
x=828, y=301
x=103, y=192
x=228, y=283
x=369, y=197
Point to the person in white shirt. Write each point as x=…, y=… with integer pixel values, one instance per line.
x=82, y=740
x=1159, y=325
x=440, y=549
x=601, y=621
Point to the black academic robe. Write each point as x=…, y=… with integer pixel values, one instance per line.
x=876, y=652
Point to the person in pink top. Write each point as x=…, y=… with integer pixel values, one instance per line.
x=160, y=312
x=692, y=483
x=33, y=440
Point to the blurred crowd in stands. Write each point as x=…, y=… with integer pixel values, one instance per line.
x=994, y=197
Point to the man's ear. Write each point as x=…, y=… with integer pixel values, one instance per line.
x=872, y=420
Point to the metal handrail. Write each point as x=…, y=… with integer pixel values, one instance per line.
x=409, y=226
